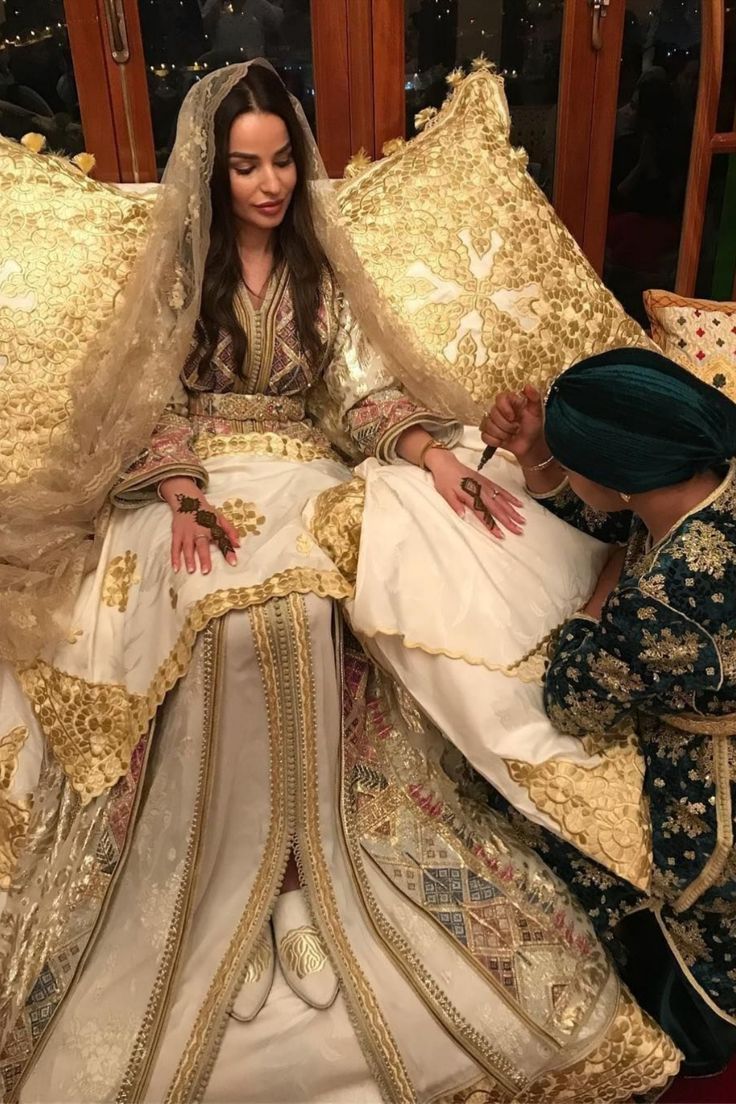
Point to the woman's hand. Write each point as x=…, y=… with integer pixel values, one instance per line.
x=191, y=542
x=493, y=505
x=515, y=423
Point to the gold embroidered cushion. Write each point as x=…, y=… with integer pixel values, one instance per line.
x=698, y=333
x=470, y=260
x=67, y=245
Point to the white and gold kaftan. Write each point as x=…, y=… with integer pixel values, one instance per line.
x=195, y=729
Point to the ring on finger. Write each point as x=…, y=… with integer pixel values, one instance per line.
x=202, y=537
x=495, y=494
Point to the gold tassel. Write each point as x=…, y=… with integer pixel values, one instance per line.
x=33, y=142
x=84, y=161
x=455, y=78
x=357, y=164
x=424, y=116
x=482, y=63
x=393, y=145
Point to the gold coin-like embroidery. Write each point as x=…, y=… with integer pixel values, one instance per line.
x=120, y=576
x=336, y=525
x=302, y=951
x=244, y=516
x=633, y=1057
x=208, y=445
x=599, y=807
x=48, y=267
x=92, y=728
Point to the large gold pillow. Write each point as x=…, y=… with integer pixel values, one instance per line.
x=67, y=245
x=470, y=260
x=699, y=333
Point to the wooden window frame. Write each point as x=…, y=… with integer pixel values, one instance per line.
x=113, y=95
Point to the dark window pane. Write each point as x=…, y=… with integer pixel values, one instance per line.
x=37, y=87
x=184, y=39
x=657, y=93
x=521, y=37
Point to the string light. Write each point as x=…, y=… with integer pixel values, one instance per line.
x=41, y=34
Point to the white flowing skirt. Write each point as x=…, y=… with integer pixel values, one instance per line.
x=463, y=964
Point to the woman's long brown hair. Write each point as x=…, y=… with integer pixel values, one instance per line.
x=296, y=243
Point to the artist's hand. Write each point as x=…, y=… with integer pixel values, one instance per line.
x=190, y=541
x=464, y=489
x=515, y=423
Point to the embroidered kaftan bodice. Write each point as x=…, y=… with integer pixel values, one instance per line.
x=348, y=397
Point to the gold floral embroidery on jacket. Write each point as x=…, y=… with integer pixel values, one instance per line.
x=706, y=549
x=672, y=653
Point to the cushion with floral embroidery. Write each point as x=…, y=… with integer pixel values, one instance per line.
x=67, y=244
x=468, y=262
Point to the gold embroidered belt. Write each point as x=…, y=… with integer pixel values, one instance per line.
x=719, y=729
x=703, y=726
x=247, y=408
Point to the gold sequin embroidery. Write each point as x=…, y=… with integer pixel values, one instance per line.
x=244, y=516
x=671, y=652
x=10, y=747
x=706, y=549
x=120, y=577
x=336, y=525
x=208, y=445
x=93, y=728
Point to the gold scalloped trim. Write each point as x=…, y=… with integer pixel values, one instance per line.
x=632, y=1059
x=529, y=669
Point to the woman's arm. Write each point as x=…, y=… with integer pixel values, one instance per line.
x=516, y=423
x=383, y=421
x=450, y=476
x=170, y=453
x=190, y=541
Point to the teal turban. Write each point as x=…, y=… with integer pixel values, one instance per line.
x=633, y=420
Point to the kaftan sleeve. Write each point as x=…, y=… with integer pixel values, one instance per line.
x=564, y=503
x=170, y=453
x=372, y=407
x=641, y=655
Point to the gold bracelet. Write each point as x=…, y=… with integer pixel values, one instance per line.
x=429, y=445
x=539, y=467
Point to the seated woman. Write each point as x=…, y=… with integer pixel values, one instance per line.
x=209, y=734
x=634, y=449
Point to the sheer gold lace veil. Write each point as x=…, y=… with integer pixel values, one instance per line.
x=48, y=522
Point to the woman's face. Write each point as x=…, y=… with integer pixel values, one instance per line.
x=262, y=169
x=594, y=495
